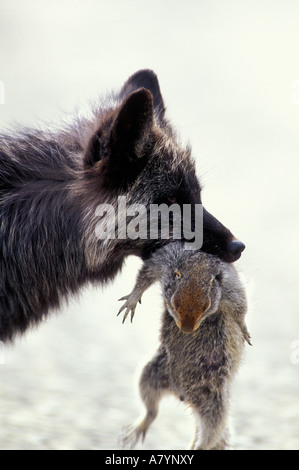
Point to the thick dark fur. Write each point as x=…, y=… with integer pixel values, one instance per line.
x=52, y=181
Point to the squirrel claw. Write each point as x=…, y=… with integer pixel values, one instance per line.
x=132, y=310
x=129, y=305
x=130, y=435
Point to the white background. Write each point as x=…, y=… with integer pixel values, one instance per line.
x=228, y=72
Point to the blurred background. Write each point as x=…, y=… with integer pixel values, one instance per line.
x=229, y=75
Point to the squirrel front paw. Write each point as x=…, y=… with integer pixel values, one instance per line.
x=130, y=305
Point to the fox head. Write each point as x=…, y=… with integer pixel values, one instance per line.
x=132, y=150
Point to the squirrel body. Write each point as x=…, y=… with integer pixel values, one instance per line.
x=201, y=341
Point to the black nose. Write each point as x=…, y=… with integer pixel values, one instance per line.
x=236, y=247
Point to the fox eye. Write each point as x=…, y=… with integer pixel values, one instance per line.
x=219, y=277
x=177, y=274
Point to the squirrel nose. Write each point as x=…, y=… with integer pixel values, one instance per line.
x=236, y=247
x=186, y=329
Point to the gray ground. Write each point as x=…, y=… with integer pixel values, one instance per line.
x=228, y=72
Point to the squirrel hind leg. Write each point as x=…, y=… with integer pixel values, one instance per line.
x=211, y=425
x=134, y=433
x=131, y=434
x=154, y=382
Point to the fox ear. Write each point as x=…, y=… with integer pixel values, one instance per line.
x=146, y=79
x=121, y=144
x=132, y=126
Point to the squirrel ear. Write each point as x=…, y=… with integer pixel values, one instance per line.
x=132, y=126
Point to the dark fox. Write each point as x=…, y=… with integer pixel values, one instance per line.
x=51, y=183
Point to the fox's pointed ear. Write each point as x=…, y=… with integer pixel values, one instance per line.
x=132, y=126
x=146, y=79
x=121, y=139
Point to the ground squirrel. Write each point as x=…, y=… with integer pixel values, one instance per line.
x=201, y=342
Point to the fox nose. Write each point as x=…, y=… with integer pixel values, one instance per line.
x=236, y=247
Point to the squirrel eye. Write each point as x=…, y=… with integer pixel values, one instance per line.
x=177, y=274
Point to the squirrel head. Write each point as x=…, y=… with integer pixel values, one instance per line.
x=193, y=289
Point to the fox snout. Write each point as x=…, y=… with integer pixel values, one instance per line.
x=189, y=307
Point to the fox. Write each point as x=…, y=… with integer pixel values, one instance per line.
x=53, y=179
